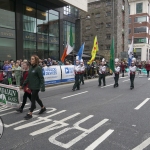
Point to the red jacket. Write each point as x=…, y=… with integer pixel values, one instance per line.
x=123, y=66
x=147, y=67
x=25, y=74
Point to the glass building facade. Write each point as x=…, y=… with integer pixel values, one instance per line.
x=28, y=27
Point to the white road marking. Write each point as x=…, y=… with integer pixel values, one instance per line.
x=107, y=86
x=148, y=78
x=74, y=95
x=123, y=77
x=99, y=140
x=126, y=80
x=142, y=104
x=86, y=132
x=143, y=145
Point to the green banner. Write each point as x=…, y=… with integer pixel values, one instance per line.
x=9, y=95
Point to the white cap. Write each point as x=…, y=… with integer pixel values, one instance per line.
x=134, y=59
x=81, y=60
x=116, y=60
x=103, y=60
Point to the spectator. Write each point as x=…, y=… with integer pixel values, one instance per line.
x=6, y=66
x=9, y=76
x=17, y=71
x=49, y=62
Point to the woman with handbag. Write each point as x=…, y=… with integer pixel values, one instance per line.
x=27, y=91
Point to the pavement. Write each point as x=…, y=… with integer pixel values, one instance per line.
x=93, y=118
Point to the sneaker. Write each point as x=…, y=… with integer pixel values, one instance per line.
x=19, y=110
x=73, y=89
x=42, y=110
x=28, y=116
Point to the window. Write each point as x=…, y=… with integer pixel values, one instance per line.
x=140, y=19
x=139, y=8
x=108, y=13
x=139, y=40
x=138, y=53
x=71, y=11
x=108, y=36
x=129, y=31
x=97, y=15
x=140, y=30
x=129, y=41
x=108, y=3
x=7, y=30
x=88, y=27
x=108, y=25
x=40, y=31
x=129, y=20
x=107, y=47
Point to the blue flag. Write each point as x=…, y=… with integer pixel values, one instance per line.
x=80, y=53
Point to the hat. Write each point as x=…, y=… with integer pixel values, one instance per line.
x=81, y=61
x=103, y=60
x=77, y=57
x=116, y=60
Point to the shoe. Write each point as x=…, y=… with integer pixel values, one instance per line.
x=78, y=89
x=34, y=108
x=19, y=110
x=28, y=116
x=73, y=89
x=42, y=110
x=114, y=85
x=131, y=88
x=104, y=85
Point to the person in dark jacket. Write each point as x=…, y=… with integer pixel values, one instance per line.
x=147, y=67
x=27, y=91
x=35, y=80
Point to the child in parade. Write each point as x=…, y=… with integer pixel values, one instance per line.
x=116, y=73
x=132, y=71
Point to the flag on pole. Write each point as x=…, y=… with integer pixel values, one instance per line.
x=130, y=53
x=112, y=50
x=94, y=50
x=80, y=53
x=69, y=47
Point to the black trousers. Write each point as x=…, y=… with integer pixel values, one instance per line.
x=116, y=78
x=132, y=76
x=102, y=77
x=123, y=73
x=35, y=97
x=77, y=82
x=82, y=78
x=147, y=73
x=25, y=96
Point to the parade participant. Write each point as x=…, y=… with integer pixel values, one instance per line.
x=116, y=73
x=27, y=91
x=102, y=73
x=123, y=66
x=132, y=71
x=82, y=72
x=147, y=67
x=35, y=80
x=139, y=67
x=77, y=70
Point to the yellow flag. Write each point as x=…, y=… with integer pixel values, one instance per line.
x=94, y=50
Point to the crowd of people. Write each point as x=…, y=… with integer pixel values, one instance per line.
x=12, y=71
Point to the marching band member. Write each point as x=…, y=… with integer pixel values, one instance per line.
x=82, y=71
x=77, y=70
x=147, y=67
x=132, y=70
x=102, y=73
x=116, y=73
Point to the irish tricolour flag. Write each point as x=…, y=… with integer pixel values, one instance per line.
x=69, y=47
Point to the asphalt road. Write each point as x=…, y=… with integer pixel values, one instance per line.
x=94, y=118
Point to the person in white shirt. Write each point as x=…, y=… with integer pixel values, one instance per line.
x=77, y=71
x=82, y=72
x=116, y=74
x=132, y=72
x=102, y=74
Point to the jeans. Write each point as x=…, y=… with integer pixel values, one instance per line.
x=35, y=97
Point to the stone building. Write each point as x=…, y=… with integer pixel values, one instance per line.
x=99, y=21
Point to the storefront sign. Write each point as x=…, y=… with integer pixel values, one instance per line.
x=9, y=95
x=52, y=75
x=54, y=40
x=29, y=36
x=7, y=33
x=67, y=73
